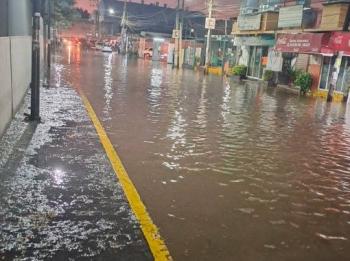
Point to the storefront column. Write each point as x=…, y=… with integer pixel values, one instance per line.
x=314, y=68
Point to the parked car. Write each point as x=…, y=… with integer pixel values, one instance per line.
x=99, y=46
x=107, y=49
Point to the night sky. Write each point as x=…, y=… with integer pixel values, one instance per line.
x=223, y=7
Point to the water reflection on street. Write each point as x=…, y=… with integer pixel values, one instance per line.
x=227, y=171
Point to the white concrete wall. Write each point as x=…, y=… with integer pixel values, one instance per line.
x=5, y=84
x=21, y=48
x=15, y=75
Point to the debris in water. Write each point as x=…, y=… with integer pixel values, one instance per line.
x=237, y=180
x=246, y=210
x=330, y=237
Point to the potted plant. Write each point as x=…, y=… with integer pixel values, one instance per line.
x=293, y=74
x=239, y=71
x=304, y=81
x=268, y=77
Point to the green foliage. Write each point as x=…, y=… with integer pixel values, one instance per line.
x=65, y=13
x=268, y=75
x=293, y=74
x=304, y=80
x=239, y=70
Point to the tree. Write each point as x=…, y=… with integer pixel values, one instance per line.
x=65, y=12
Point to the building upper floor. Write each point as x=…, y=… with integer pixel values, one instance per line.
x=269, y=16
x=155, y=17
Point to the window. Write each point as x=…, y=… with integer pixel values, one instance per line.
x=326, y=73
x=343, y=76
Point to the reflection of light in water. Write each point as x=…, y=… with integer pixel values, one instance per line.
x=77, y=56
x=177, y=134
x=58, y=74
x=108, y=83
x=156, y=78
x=155, y=89
x=58, y=176
x=225, y=103
x=202, y=108
x=69, y=53
x=176, y=131
x=74, y=54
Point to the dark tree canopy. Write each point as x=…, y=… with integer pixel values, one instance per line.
x=65, y=12
x=83, y=14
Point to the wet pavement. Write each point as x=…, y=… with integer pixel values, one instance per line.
x=59, y=196
x=227, y=171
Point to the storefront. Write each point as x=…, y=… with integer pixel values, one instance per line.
x=252, y=51
x=338, y=61
x=221, y=49
x=193, y=53
x=154, y=46
x=307, y=52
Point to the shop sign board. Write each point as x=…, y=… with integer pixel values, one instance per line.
x=291, y=16
x=340, y=41
x=210, y=23
x=176, y=34
x=300, y=43
x=264, y=40
x=249, y=22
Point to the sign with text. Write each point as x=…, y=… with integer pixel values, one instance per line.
x=249, y=22
x=263, y=40
x=291, y=16
x=340, y=41
x=210, y=23
x=301, y=43
x=176, y=34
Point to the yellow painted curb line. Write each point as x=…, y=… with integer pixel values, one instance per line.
x=337, y=96
x=156, y=244
x=215, y=70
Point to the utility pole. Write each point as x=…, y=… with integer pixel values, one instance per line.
x=97, y=25
x=181, y=32
x=47, y=41
x=207, y=52
x=35, y=83
x=177, y=28
x=49, y=44
x=224, y=49
x=124, y=31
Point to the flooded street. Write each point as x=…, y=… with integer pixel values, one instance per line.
x=227, y=171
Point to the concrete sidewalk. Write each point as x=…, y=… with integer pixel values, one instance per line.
x=59, y=197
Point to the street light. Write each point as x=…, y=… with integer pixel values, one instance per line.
x=111, y=11
x=35, y=79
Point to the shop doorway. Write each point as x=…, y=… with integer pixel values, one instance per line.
x=156, y=50
x=343, y=81
x=326, y=74
x=255, y=67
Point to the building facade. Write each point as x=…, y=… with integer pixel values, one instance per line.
x=15, y=53
x=303, y=35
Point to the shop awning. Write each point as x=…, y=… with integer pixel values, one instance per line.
x=327, y=51
x=302, y=42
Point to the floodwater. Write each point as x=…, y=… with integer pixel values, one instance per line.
x=227, y=171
